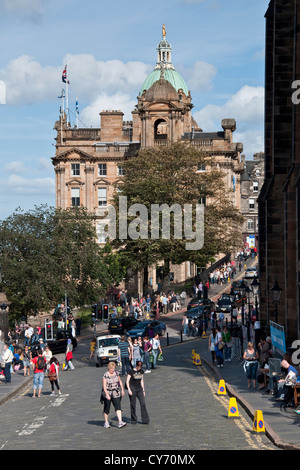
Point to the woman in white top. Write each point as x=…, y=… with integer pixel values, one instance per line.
x=211, y=344
x=47, y=355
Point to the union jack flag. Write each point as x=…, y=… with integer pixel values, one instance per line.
x=64, y=75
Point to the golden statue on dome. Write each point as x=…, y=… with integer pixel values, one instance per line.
x=164, y=32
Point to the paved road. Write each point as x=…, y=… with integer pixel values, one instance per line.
x=185, y=411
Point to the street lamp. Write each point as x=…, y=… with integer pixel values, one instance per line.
x=276, y=293
x=232, y=297
x=255, y=289
x=248, y=292
x=243, y=287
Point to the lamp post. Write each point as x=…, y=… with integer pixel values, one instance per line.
x=232, y=299
x=255, y=289
x=276, y=293
x=248, y=292
x=243, y=288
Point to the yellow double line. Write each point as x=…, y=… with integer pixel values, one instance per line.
x=254, y=440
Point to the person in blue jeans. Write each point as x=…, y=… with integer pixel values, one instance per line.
x=124, y=354
x=39, y=364
x=156, y=349
x=251, y=364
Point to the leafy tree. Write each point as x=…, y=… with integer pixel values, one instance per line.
x=46, y=252
x=168, y=175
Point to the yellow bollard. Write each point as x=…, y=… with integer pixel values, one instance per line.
x=222, y=388
x=258, y=423
x=233, y=411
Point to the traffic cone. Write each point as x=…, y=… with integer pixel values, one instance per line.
x=198, y=360
x=204, y=335
x=233, y=411
x=258, y=423
x=222, y=388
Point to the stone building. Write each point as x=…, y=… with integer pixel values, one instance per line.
x=88, y=161
x=251, y=184
x=279, y=200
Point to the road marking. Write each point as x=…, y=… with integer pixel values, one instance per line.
x=40, y=421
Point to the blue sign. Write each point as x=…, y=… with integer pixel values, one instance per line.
x=278, y=337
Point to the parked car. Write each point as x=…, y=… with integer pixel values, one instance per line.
x=142, y=328
x=106, y=349
x=120, y=326
x=195, y=302
x=251, y=272
x=57, y=345
x=224, y=304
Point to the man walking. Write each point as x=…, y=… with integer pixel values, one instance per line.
x=7, y=360
x=156, y=349
x=124, y=354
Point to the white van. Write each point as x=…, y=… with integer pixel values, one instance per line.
x=106, y=349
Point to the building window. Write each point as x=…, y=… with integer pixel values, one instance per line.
x=258, y=172
x=101, y=233
x=120, y=171
x=102, y=170
x=201, y=166
x=255, y=186
x=102, y=197
x=250, y=225
x=251, y=204
x=75, y=197
x=75, y=169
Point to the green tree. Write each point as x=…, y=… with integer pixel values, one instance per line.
x=168, y=175
x=46, y=252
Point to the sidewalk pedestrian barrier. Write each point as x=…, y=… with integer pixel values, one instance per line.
x=236, y=351
x=222, y=388
x=258, y=422
x=233, y=411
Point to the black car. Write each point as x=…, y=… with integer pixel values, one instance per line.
x=120, y=326
x=57, y=345
x=224, y=304
x=195, y=302
x=236, y=286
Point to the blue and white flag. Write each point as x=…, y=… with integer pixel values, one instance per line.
x=77, y=108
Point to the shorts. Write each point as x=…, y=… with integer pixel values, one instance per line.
x=115, y=401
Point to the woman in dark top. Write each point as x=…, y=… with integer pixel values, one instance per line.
x=136, y=390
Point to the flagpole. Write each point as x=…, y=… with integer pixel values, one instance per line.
x=67, y=95
x=76, y=112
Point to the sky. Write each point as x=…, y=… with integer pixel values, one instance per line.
x=110, y=48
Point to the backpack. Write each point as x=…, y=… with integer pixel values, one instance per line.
x=40, y=363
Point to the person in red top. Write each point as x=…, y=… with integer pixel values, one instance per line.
x=53, y=375
x=39, y=365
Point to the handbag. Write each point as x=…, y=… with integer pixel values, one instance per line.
x=221, y=345
x=52, y=376
x=160, y=357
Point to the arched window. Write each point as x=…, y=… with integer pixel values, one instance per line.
x=160, y=130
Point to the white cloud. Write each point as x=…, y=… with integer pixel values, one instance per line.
x=27, y=81
x=28, y=186
x=118, y=101
x=32, y=9
x=200, y=76
x=15, y=167
x=247, y=108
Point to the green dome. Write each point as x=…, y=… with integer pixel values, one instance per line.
x=170, y=75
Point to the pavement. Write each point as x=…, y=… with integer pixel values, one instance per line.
x=281, y=427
